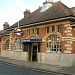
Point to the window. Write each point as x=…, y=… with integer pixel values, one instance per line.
x=17, y=45
x=60, y=28
x=25, y=47
x=32, y=31
x=37, y=31
x=53, y=43
x=7, y=44
x=47, y=29
x=29, y=32
x=53, y=28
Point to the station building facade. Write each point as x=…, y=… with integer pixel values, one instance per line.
x=49, y=36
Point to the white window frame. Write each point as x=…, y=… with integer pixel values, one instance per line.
x=53, y=44
x=17, y=44
x=47, y=31
x=7, y=44
x=37, y=31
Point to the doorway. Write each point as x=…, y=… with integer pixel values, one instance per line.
x=34, y=53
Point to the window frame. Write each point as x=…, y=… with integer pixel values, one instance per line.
x=47, y=29
x=7, y=44
x=17, y=44
x=37, y=31
x=53, y=44
x=32, y=31
x=26, y=47
x=59, y=28
x=28, y=31
x=53, y=26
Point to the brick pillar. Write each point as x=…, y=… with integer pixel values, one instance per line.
x=67, y=38
x=73, y=46
x=43, y=47
x=3, y=47
x=10, y=41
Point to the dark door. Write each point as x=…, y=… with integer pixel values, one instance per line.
x=34, y=54
x=30, y=51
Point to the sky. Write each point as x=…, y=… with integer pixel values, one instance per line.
x=11, y=11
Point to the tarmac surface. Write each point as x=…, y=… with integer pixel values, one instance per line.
x=40, y=66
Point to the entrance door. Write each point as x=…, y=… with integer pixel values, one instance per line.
x=30, y=51
x=34, y=53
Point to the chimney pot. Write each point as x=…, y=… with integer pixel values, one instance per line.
x=27, y=13
x=5, y=25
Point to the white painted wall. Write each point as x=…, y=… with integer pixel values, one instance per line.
x=58, y=59
x=47, y=58
x=15, y=55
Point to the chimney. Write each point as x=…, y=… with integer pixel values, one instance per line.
x=5, y=25
x=46, y=5
x=27, y=13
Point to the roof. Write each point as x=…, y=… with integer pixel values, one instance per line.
x=1, y=34
x=4, y=32
x=57, y=11
x=73, y=10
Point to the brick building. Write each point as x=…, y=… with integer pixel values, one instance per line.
x=49, y=36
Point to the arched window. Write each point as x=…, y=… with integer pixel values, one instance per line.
x=53, y=43
x=7, y=44
x=17, y=45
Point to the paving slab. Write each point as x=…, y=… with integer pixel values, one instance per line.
x=40, y=66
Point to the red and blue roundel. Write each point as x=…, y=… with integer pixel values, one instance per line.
x=18, y=31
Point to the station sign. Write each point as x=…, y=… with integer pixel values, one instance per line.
x=18, y=31
x=31, y=40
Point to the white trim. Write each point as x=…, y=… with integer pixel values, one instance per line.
x=67, y=51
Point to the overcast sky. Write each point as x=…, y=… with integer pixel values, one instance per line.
x=12, y=10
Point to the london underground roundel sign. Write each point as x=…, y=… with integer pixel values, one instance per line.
x=18, y=31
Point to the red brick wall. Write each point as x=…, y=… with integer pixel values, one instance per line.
x=43, y=47
x=25, y=34
x=4, y=42
x=63, y=42
x=73, y=32
x=63, y=47
x=63, y=29
x=73, y=46
x=3, y=46
x=42, y=32
x=12, y=46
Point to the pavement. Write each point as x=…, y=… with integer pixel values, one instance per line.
x=40, y=66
